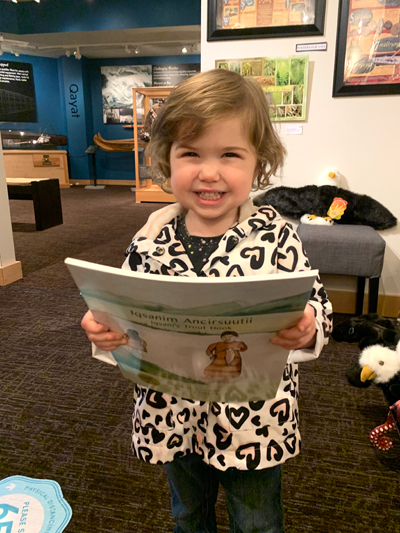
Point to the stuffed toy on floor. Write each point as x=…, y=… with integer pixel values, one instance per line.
x=380, y=365
x=327, y=204
x=367, y=330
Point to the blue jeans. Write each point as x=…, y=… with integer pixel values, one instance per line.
x=253, y=497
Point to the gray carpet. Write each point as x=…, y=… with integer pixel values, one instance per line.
x=66, y=417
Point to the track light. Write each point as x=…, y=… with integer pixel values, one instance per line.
x=37, y=1
x=77, y=53
x=1, y=51
x=137, y=49
x=16, y=53
x=15, y=1
x=127, y=49
x=67, y=53
x=184, y=50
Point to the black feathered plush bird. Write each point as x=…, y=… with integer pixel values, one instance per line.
x=311, y=204
x=367, y=330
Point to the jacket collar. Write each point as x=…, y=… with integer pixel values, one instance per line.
x=157, y=238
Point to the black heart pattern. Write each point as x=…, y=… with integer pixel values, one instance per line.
x=183, y=416
x=156, y=399
x=257, y=256
x=158, y=419
x=221, y=460
x=237, y=417
x=257, y=405
x=224, y=437
x=174, y=441
x=289, y=261
x=264, y=431
x=250, y=452
x=234, y=271
x=281, y=409
x=157, y=436
x=274, y=451
x=145, y=454
x=256, y=420
x=290, y=443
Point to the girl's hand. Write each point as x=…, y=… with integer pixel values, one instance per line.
x=101, y=335
x=302, y=335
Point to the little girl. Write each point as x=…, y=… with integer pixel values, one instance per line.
x=211, y=144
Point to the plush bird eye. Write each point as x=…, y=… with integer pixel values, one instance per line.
x=381, y=363
x=351, y=331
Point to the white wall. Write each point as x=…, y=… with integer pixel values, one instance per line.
x=360, y=136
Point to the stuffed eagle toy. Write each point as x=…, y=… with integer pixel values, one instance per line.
x=380, y=365
x=327, y=202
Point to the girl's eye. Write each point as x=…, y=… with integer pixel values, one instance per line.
x=230, y=154
x=189, y=154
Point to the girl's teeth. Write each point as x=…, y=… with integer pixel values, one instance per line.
x=210, y=195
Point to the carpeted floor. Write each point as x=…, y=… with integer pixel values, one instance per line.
x=66, y=417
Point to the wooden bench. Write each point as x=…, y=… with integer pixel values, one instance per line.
x=46, y=197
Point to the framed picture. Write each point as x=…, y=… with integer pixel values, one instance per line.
x=284, y=81
x=255, y=19
x=367, y=48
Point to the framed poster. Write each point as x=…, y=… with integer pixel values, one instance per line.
x=17, y=92
x=117, y=83
x=255, y=19
x=283, y=79
x=367, y=48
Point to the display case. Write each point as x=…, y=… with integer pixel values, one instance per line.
x=146, y=190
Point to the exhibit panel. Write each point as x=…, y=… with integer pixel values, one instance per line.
x=146, y=190
x=37, y=164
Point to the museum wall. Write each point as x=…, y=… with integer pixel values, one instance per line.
x=357, y=135
x=69, y=15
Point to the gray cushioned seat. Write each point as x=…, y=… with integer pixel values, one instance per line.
x=347, y=250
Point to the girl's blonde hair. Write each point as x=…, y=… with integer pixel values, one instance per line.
x=201, y=101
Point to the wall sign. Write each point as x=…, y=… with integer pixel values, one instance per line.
x=171, y=75
x=17, y=92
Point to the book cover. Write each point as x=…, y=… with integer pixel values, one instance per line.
x=202, y=338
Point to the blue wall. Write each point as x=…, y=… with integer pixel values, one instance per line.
x=55, y=114
x=73, y=15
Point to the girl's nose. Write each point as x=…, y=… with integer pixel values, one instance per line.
x=209, y=172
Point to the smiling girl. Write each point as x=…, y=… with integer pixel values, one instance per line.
x=212, y=144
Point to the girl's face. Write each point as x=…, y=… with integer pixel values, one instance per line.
x=211, y=176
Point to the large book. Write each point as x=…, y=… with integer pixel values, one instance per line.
x=203, y=338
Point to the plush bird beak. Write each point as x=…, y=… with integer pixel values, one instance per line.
x=367, y=373
x=332, y=174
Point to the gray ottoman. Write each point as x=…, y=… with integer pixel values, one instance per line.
x=347, y=250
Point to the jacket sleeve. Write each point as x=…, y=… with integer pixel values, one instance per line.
x=291, y=257
x=133, y=261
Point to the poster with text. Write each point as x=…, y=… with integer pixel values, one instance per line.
x=283, y=79
x=117, y=84
x=17, y=92
x=372, y=43
x=171, y=75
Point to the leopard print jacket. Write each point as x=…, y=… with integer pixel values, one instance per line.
x=253, y=435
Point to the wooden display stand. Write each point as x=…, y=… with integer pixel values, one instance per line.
x=149, y=192
x=37, y=164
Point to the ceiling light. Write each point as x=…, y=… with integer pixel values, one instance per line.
x=137, y=49
x=16, y=54
x=37, y=1
x=15, y=1
x=77, y=53
x=67, y=53
x=184, y=50
x=127, y=49
x=1, y=51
